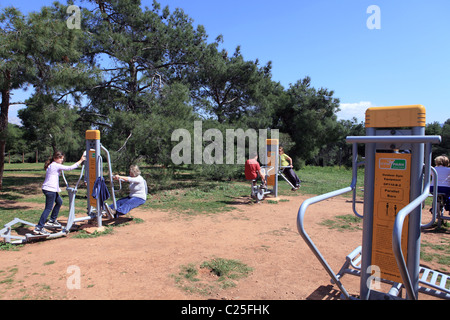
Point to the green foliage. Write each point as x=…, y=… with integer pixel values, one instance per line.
x=438, y=252
x=217, y=172
x=43, y=53
x=227, y=268
x=320, y=180
x=84, y=235
x=308, y=116
x=137, y=74
x=344, y=223
x=441, y=130
x=223, y=273
x=229, y=89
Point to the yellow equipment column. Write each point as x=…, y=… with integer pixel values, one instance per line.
x=93, y=168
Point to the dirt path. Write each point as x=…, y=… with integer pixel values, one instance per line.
x=138, y=260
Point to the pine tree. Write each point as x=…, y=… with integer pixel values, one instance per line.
x=14, y=68
x=143, y=95
x=41, y=51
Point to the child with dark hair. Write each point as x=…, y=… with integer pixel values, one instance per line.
x=53, y=166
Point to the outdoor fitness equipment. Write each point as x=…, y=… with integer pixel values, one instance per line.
x=272, y=171
x=396, y=183
x=94, y=171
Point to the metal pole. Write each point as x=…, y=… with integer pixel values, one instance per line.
x=413, y=255
x=369, y=178
x=98, y=174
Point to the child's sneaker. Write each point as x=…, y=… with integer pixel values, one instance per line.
x=41, y=231
x=53, y=224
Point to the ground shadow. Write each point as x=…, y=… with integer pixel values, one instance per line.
x=325, y=293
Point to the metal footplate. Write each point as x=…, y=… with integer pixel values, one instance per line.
x=437, y=280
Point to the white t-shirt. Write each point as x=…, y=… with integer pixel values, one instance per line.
x=51, y=182
x=138, y=187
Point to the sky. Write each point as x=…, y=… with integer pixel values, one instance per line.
x=368, y=52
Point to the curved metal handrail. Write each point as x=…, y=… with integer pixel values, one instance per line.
x=304, y=234
x=268, y=168
x=434, y=205
x=108, y=157
x=354, y=192
x=398, y=227
x=397, y=239
x=309, y=242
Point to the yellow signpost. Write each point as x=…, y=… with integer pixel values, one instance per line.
x=92, y=135
x=272, y=163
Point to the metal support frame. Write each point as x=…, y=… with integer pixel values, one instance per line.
x=95, y=162
x=91, y=144
x=410, y=270
x=278, y=172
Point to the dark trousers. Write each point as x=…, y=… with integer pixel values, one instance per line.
x=50, y=199
x=291, y=176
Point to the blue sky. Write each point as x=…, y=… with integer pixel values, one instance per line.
x=405, y=61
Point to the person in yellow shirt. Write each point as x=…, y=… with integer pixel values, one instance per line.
x=286, y=161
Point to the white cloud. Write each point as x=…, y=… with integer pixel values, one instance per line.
x=15, y=120
x=357, y=110
x=13, y=114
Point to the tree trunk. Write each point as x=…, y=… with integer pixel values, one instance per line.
x=4, y=109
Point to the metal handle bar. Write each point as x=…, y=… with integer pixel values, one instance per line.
x=385, y=139
x=79, y=179
x=301, y=230
x=308, y=202
x=434, y=205
x=390, y=139
x=398, y=226
x=268, y=168
x=111, y=176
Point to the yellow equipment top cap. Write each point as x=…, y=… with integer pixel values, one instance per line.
x=92, y=134
x=399, y=116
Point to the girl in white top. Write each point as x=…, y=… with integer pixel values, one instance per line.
x=51, y=189
x=137, y=195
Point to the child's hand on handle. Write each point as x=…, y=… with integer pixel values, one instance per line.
x=82, y=159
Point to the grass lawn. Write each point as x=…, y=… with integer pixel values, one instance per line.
x=182, y=193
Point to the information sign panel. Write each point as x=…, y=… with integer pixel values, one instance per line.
x=391, y=194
